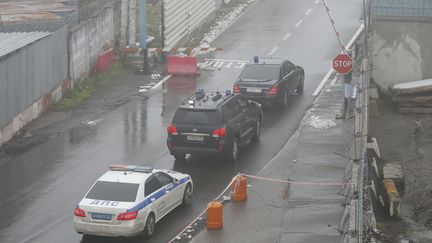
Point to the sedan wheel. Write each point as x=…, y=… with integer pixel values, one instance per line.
x=299, y=89
x=257, y=131
x=187, y=196
x=285, y=98
x=150, y=226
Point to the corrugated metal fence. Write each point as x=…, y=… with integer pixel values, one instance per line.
x=402, y=8
x=31, y=72
x=183, y=16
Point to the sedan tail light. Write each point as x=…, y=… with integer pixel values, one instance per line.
x=274, y=90
x=128, y=215
x=79, y=212
x=219, y=133
x=236, y=89
x=172, y=130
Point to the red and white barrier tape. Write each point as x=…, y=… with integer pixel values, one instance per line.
x=295, y=182
x=183, y=49
x=334, y=26
x=202, y=213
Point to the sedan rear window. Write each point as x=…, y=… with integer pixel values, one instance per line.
x=260, y=73
x=114, y=191
x=197, y=117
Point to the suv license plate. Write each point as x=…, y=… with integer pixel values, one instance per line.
x=101, y=216
x=195, y=138
x=253, y=90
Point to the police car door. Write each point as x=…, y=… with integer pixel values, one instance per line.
x=156, y=194
x=171, y=191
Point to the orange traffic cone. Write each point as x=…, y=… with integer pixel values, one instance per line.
x=214, y=215
x=239, y=189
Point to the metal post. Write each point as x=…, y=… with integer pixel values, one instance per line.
x=163, y=30
x=143, y=34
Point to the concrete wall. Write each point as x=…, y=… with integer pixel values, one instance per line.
x=87, y=41
x=401, y=51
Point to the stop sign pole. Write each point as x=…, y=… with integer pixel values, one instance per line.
x=342, y=63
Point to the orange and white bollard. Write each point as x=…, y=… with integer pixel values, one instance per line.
x=214, y=215
x=239, y=189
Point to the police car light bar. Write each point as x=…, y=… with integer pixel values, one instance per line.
x=132, y=168
x=117, y=167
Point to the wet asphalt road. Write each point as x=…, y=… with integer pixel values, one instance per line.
x=40, y=186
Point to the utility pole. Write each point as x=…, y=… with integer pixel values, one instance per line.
x=162, y=29
x=132, y=22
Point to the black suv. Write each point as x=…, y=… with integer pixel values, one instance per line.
x=214, y=123
x=270, y=81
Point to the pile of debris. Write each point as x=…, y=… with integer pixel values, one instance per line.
x=413, y=97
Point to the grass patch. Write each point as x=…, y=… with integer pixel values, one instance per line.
x=85, y=88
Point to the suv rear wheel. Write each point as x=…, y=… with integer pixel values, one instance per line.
x=233, y=152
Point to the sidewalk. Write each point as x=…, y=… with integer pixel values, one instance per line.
x=288, y=212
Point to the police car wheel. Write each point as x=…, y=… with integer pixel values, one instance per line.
x=187, y=196
x=150, y=226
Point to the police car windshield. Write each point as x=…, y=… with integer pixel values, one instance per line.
x=114, y=191
x=197, y=117
x=260, y=72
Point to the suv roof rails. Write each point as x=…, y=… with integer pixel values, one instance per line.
x=210, y=100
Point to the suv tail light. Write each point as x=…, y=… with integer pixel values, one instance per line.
x=172, y=130
x=274, y=90
x=219, y=133
x=79, y=212
x=128, y=215
x=236, y=89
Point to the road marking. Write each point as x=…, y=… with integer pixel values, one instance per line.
x=286, y=36
x=308, y=12
x=360, y=29
x=225, y=60
x=317, y=1
x=220, y=63
x=298, y=24
x=323, y=81
x=333, y=81
x=161, y=82
x=273, y=50
x=321, y=85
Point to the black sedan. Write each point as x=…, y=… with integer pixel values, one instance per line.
x=270, y=81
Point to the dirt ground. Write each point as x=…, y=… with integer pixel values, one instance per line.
x=406, y=139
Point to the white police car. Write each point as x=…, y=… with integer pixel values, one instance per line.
x=129, y=200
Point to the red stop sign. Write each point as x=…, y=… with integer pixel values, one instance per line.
x=342, y=63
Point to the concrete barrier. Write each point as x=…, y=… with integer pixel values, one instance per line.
x=182, y=65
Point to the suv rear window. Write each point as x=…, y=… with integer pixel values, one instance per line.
x=114, y=191
x=260, y=73
x=197, y=117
